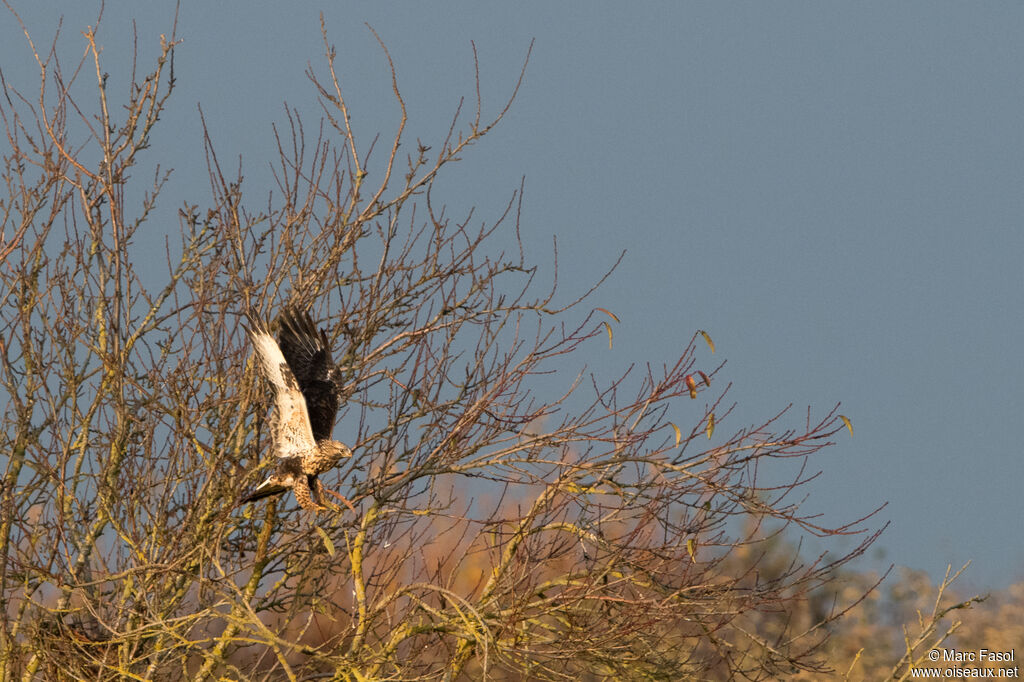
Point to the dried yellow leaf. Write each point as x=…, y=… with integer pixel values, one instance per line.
x=327, y=541
x=849, y=424
x=707, y=337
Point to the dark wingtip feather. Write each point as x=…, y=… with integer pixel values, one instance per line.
x=255, y=322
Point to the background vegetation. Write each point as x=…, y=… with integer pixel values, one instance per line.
x=609, y=527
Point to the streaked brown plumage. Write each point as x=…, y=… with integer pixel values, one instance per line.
x=307, y=393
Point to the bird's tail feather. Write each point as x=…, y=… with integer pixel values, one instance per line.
x=262, y=492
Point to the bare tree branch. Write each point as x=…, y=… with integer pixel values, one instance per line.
x=512, y=514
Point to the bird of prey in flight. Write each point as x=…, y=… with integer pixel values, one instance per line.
x=307, y=393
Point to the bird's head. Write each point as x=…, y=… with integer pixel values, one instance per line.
x=335, y=449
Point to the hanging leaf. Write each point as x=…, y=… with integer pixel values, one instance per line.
x=327, y=541
x=849, y=424
x=711, y=425
x=692, y=385
x=707, y=380
x=711, y=344
x=679, y=434
x=608, y=313
x=608, y=328
x=691, y=549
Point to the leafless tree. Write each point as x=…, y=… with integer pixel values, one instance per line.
x=504, y=530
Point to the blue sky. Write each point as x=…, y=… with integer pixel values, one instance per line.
x=832, y=190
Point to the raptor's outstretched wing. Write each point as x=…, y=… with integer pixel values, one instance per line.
x=294, y=433
x=309, y=357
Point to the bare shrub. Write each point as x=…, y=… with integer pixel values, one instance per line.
x=505, y=529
